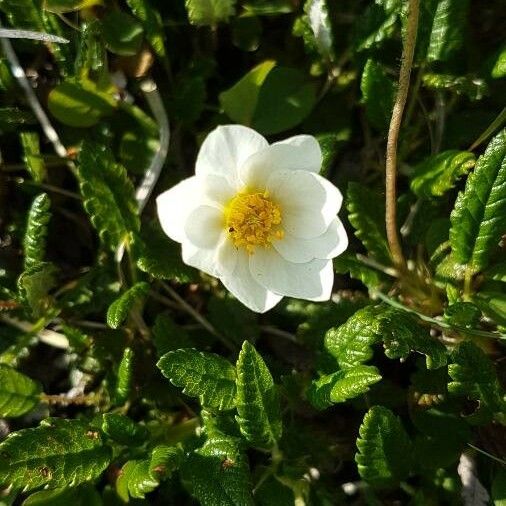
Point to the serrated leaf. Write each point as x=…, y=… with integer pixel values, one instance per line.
x=18, y=393
x=206, y=376
x=218, y=473
x=351, y=343
x=349, y=263
x=152, y=23
x=33, y=287
x=120, y=309
x=463, y=314
x=34, y=161
x=366, y=214
x=474, y=376
x=384, y=448
x=34, y=242
x=448, y=29
x=108, y=194
x=378, y=93
x=123, y=430
x=439, y=173
x=125, y=373
x=478, y=219
x=342, y=385
x=139, y=477
x=209, y=12
x=68, y=452
x=258, y=409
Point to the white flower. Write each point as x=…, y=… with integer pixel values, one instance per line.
x=258, y=217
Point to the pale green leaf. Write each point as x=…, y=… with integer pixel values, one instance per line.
x=125, y=374
x=34, y=242
x=206, y=376
x=34, y=161
x=18, y=393
x=209, y=12
x=58, y=453
x=478, y=219
x=217, y=474
x=120, y=309
x=152, y=23
x=64, y=6
x=384, y=448
x=34, y=285
x=499, y=68
x=258, y=409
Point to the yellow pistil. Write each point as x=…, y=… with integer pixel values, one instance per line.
x=253, y=219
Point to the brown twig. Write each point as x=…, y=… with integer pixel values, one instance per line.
x=393, y=136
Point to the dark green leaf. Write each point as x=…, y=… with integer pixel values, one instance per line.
x=479, y=217
x=259, y=415
x=384, y=448
x=34, y=243
x=167, y=336
x=349, y=263
x=125, y=373
x=123, y=34
x=68, y=452
x=120, y=309
x=84, y=495
x=123, y=430
x=18, y=393
x=207, y=376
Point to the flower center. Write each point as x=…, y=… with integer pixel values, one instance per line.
x=252, y=219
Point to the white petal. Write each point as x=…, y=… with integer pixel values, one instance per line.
x=175, y=204
x=204, y=226
x=217, y=190
x=225, y=149
x=312, y=280
x=241, y=284
x=202, y=259
x=301, y=152
x=226, y=256
x=328, y=245
x=309, y=203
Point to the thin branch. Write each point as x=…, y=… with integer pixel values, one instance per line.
x=393, y=136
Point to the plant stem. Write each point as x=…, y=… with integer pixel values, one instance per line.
x=393, y=136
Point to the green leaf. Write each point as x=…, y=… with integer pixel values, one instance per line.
x=319, y=21
x=63, y=6
x=439, y=173
x=18, y=393
x=81, y=103
x=268, y=7
x=152, y=23
x=108, y=194
x=120, y=309
x=478, y=219
x=342, y=385
x=258, y=409
x=463, y=314
x=84, y=495
x=160, y=257
x=366, y=213
x=240, y=101
x=448, y=29
x=474, y=376
x=475, y=88
x=384, y=448
x=207, y=376
x=168, y=336
x=31, y=156
x=209, y=12
x=499, y=487
x=34, y=285
x=246, y=32
x=122, y=33
x=349, y=263
x=125, y=373
x=499, y=68
x=401, y=333
x=378, y=94
x=68, y=452
x=34, y=242
x=123, y=430
x=139, y=477
x=218, y=474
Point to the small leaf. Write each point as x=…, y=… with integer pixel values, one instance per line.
x=34, y=161
x=18, y=393
x=125, y=373
x=34, y=243
x=319, y=21
x=120, y=309
x=68, y=452
x=34, y=285
x=474, y=87
x=168, y=336
x=474, y=376
x=366, y=212
x=439, y=173
x=349, y=263
x=84, y=495
x=478, y=219
x=207, y=376
x=378, y=93
x=122, y=33
x=384, y=448
x=218, y=474
x=209, y=12
x=80, y=104
x=123, y=430
x=64, y=6
x=342, y=385
x=499, y=68
x=259, y=415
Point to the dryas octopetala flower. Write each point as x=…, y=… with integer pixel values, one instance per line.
x=258, y=217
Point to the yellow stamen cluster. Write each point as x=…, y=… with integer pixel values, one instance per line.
x=252, y=219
